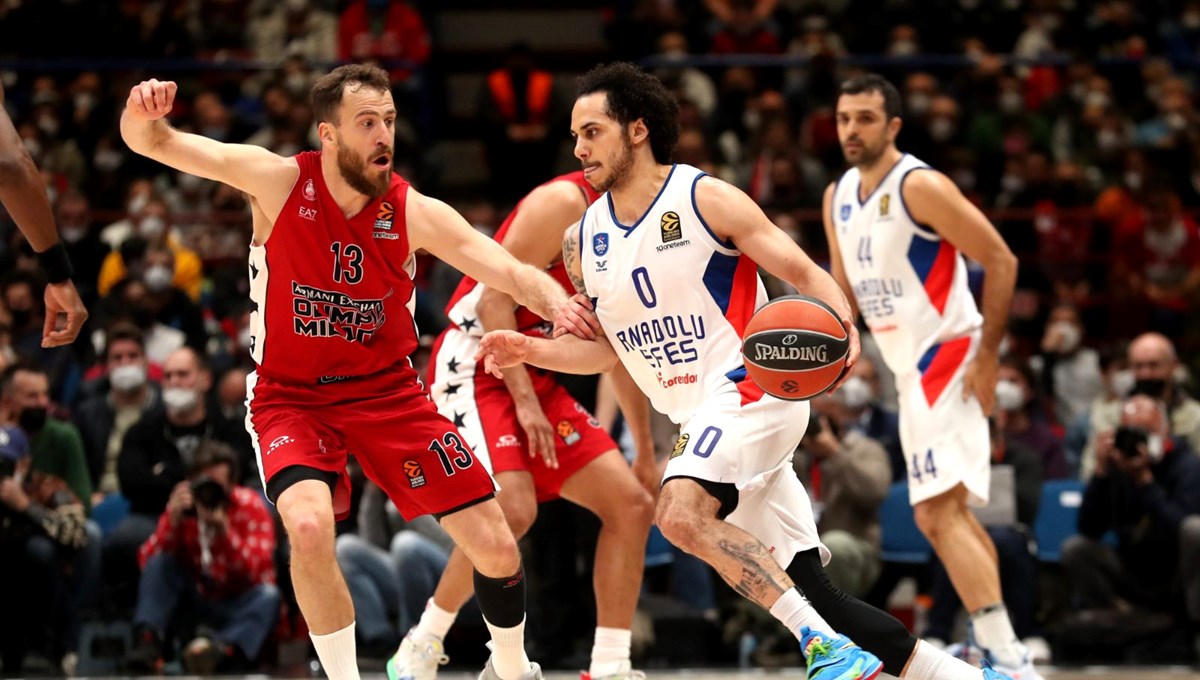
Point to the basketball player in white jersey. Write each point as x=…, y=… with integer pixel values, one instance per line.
x=668, y=259
x=897, y=232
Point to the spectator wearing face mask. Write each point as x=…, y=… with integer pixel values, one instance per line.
x=866, y=414
x=154, y=227
x=22, y=295
x=1146, y=489
x=158, y=451
x=1116, y=384
x=81, y=241
x=170, y=304
x=1152, y=358
x=119, y=399
x=1020, y=417
x=1070, y=372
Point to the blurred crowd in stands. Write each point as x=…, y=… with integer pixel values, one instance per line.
x=1074, y=125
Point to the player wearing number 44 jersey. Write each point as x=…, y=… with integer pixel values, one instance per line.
x=668, y=259
x=331, y=269
x=897, y=232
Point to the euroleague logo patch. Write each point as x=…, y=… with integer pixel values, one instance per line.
x=680, y=445
x=669, y=225
x=387, y=212
x=568, y=432
x=415, y=474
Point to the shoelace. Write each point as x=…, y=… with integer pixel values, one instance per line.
x=816, y=650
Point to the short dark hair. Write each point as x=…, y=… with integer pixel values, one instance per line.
x=123, y=330
x=327, y=91
x=873, y=82
x=22, y=365
x=633, y=94
x=210, y=452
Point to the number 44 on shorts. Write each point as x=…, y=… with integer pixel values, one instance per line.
x=919, y=469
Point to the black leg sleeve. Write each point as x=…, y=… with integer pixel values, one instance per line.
x=502, y=600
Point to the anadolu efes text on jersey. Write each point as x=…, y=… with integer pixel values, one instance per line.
x=910, y=284
x=673, y=299
x=332, y=296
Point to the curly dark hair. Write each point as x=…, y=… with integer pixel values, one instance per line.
x=327, y=91
x=633, y=94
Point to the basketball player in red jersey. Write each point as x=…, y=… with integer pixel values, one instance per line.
x=541, y=443
x=331, y=279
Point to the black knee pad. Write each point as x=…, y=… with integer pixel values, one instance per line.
x=875, y=631
x=501, y=600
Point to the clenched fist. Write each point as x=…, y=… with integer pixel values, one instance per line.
x=151, y=99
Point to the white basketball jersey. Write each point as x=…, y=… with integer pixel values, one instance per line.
x=673, y=299
x=910, y=284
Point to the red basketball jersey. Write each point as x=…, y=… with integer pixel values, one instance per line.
x=461, y=308
x=333, y=296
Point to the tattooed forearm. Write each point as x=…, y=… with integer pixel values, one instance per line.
x=571, y=258
x=760, y=579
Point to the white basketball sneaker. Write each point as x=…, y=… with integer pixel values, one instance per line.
x=417, y=659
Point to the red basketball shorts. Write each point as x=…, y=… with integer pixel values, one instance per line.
x=386, y=420
x=487, y=416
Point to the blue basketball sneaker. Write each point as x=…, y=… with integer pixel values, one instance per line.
x=990, y=673
x=836, y=658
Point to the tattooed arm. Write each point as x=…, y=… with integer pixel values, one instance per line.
x=578, y=317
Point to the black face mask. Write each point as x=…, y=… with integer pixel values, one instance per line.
x=1151, y=387
x=32, y=419
x=21, y=317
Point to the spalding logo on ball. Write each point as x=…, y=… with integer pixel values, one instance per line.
x=795, y=347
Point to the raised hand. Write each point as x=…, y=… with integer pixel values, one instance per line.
x=152, y=99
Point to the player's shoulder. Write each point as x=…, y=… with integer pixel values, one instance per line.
x=921, y=182
x=558, y=194
x=714, y=193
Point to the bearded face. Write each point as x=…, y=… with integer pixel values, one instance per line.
x=369, y=177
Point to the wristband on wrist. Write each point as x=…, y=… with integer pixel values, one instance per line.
x=55, y=263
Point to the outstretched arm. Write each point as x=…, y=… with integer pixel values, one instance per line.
x=836, y=268
x=23, y=193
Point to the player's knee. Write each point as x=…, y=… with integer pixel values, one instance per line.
x=934, y=516
x=633, y=509
x=309, y=528
x=495, y=555
x=520, y=516
x=679, y=525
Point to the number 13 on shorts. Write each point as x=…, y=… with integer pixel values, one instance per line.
x=922, y=466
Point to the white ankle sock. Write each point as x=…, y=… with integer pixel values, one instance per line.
x=930, y=663
x=994, y=632
x=337, y=653
x=435, y=621
x=610, y=652
x=508, y=651
x=794, y=611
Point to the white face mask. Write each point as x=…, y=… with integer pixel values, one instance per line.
x=136, y=203
x=918, y=103
x=127, y=378
x=1071, y=337
x=1123, y=382
x=1011, y=102
x=244, y=338
x=151, y=227
x=72, y=234
x=1009, y=396
x=855, y=393
x=158, y=278
x=1154, y=447
x=941, y=129
x=179, y=399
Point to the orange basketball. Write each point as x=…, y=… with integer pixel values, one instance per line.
x=795, y=347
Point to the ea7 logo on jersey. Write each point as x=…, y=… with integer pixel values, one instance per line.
x=669, y=226
x=308, y=213
x=600, y=244
x=387, y=212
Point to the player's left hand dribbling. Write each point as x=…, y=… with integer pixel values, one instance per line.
x=577, y=318
x=980, y=381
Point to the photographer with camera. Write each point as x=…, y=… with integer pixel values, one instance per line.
x=211, y=556
x=156, y=454
x=1146, y=489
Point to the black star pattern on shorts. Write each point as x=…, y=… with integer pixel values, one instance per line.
x=253, y=271
x=467, y=324
x=452, y=365
x=459, y=419
x=452, y=389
